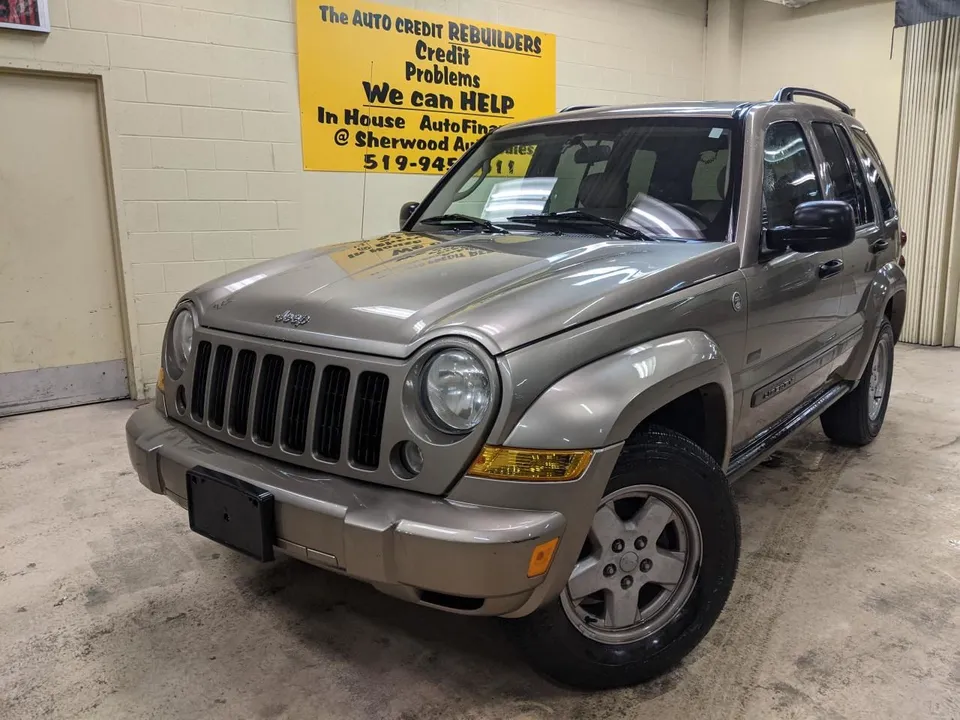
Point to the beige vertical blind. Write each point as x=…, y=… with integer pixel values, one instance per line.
x=927, y=181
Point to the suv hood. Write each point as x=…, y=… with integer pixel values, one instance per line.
x=390, y=295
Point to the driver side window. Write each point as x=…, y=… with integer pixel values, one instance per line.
x=789, y=178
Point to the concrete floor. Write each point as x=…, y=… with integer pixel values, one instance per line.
x=846, y=605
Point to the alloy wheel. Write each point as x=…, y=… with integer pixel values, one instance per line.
x=638, y=566
x=878, y=377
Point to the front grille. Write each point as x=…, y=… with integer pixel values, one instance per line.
x=298, y=406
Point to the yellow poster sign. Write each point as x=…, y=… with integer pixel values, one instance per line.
x=386, y=89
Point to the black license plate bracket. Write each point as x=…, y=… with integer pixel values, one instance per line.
x=231, y=512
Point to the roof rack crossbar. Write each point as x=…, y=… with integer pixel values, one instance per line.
x=787, y=94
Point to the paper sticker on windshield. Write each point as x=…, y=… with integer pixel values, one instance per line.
x=523, y=196
x=716, y=133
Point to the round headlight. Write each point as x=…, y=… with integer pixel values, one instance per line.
x=181, y=342
x=456, y=390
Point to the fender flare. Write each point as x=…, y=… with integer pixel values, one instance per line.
x=889, y=282
x=602, y=403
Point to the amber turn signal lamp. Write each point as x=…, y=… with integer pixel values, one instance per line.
x=500, y=463
x=161, y=378
x=541, y=558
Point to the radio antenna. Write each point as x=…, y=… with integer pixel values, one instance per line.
x=363, y=193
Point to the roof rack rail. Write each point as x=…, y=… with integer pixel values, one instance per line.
x=787, y=94
x=571, y=108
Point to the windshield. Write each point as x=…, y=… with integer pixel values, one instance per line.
x=666, y=177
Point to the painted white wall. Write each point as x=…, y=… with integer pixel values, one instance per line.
x=724, y=49
x=201, y=105
x=841, y=47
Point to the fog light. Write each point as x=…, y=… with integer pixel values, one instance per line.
x=411, y=457
x=499, y=463
x=541, y=558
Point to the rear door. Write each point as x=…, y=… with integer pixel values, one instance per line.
x=882, y=244
x=845, y=180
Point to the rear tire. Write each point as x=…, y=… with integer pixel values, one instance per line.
x=856, y=418
x=586, y=640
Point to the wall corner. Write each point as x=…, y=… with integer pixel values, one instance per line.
x=724, y=45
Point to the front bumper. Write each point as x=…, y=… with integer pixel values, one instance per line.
x=466, y=552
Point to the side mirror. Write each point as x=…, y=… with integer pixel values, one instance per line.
x=406, y=211
x=817, y=225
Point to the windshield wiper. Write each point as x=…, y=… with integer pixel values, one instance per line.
x=581, y=217
x=460, y=219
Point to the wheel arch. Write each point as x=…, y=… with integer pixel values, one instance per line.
x=886, y=297
x=700, y=415
x=609, y=400
x=896, y=311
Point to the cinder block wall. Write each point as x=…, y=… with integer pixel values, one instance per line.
x=849, y=53
x=201, y=106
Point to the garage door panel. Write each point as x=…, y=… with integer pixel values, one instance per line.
x=61, y=337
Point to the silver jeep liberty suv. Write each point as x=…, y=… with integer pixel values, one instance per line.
x=530, y=401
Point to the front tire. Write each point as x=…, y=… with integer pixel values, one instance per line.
x=654, y=574
x=856, y=418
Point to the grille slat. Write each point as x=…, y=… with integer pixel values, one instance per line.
x=241, y=392
x=297, y=406
x=218, y=386
x=342, y=393
x=331, y=408
x=369, y=408
x=200, y=374
x=268, y=396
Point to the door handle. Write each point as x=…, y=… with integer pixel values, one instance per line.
x=831, y=267
x=879, y=246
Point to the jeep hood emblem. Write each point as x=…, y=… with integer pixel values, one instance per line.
x=292, y=318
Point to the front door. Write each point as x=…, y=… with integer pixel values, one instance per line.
x=793, y=298
x=61, y=338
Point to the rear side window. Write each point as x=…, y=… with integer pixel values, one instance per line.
x=789, y=178
x=876, y=175
x=843, y=169
x=863, y=191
